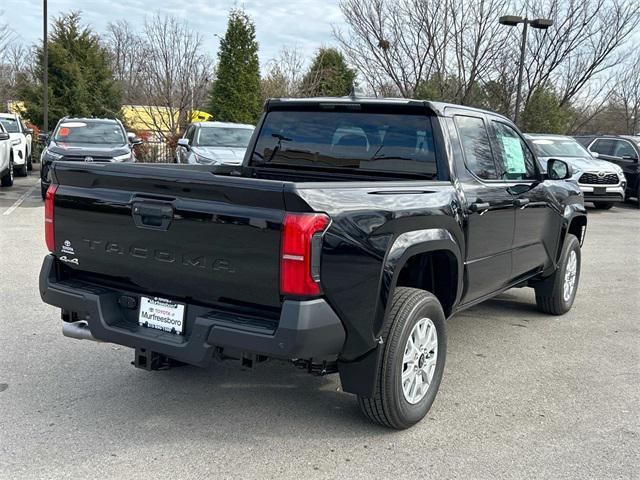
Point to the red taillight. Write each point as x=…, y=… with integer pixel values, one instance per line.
x=48, y=217
x=299, y=264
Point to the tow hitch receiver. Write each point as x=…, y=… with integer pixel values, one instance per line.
x=148, y=360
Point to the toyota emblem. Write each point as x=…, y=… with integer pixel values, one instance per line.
x=601, y=174
x=88, y=159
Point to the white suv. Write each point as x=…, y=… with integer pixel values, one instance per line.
x=20, y=140
x=6, y=158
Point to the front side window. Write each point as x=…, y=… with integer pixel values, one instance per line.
x=108, y=133
x=476, y=146
x=349, y=141
x=603, y=147
x=514, y=159
x=222, y=137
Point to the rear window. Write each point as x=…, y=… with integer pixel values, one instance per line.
x=349, y=141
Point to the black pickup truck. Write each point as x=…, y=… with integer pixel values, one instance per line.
x=352, y=230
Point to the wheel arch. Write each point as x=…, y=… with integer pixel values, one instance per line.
x=434, y=249
x=407, y=253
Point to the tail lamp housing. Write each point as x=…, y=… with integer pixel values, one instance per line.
x=300, y=257
x=48, y=217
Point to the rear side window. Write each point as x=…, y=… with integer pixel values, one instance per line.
x=476, y=146
x=349, y=141
x=624, y=149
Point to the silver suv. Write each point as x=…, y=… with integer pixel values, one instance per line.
x=601, y=182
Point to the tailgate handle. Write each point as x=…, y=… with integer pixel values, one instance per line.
x=152, y=215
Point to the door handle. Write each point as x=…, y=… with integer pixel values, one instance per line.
x=157, y=216
x=521, y=202
x=477, y=207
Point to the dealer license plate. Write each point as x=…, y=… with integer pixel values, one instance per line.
x=599, y=190
x=161, y=314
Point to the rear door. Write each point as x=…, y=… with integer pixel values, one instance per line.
x=488, y=206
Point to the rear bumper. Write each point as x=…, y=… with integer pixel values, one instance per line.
x=306, y=329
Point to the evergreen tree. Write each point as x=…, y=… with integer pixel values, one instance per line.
x=235, y=94
x=328, y=75
x=543, y=113
x=81, y=81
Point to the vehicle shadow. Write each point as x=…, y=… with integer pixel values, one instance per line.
x=273, y=399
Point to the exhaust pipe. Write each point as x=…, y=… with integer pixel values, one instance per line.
x=79, y=330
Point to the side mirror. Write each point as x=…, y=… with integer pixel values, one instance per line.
x=43, y=137
x=28, y=131
x=558, y=169
x=184, y=142
x=594, y=154
x=4, y=136
x=135, y=141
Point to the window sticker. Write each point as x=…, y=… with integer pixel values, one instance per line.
x=64, y=131
x=513, y=155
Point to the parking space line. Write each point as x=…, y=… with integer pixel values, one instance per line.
x=22, y=198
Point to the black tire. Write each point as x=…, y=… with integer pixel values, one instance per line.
x=20, y=171
x=389, y=406
x=550, y=292
x=43, y=190
x=29, y=162
x=7, y=179
x=603, y=205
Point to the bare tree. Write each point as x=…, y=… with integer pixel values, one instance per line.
x=408, y=42
x=585, y=42
x=284, y=74
x=627, y=96
x=128, y=53
x=166, y=69
x=13, y=63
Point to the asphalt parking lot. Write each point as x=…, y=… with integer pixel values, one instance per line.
x=525, y=395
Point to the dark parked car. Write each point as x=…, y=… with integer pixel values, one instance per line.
x=623, y=150
x=352, y=230
x=86, y=140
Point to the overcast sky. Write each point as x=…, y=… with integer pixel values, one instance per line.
x=305, y=23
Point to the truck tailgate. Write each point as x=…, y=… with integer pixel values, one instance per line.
x=177, y=233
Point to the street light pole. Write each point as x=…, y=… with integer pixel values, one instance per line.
x=512, y=21
x=523, y=47
x=45, y=79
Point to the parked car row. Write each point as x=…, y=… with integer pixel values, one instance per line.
x=605, y=167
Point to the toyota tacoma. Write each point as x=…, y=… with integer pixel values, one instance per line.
x=353, y=229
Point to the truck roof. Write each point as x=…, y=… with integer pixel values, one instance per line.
x=435, y=108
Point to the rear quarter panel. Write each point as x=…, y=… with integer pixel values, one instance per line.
x=366, y=221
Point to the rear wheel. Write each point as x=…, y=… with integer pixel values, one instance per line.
x=29, y=162
x=555, y=295
x=410, y=371
x=603, y=205
x=7, y=179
